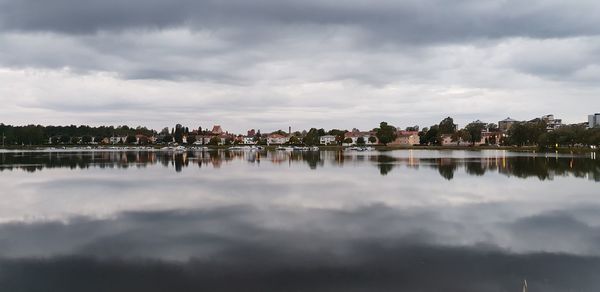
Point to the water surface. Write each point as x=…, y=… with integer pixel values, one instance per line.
x=299, y=221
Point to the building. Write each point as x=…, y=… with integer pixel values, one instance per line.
x=277, y=139
x=446, y=140
x=142, y=139
x=327, y=140
x=594, y=120
x=117, y=139
x=248, y=140
x=356, y=134
x=407, y=138
x=217, y=130
x=552, y=123
x=505, y=124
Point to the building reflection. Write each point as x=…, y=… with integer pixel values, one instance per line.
x=522, y=166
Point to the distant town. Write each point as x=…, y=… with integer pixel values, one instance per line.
x=544, y=132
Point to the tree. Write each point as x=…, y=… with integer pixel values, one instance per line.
x=168, y=139
x=131, y=140
x=178, y=133
x=526, y=133
x=360, y=141
x=257, y=137
x=214, y=141
x=432, y=136
x=372, y=139
x=312, y=137
x=385, y=133
x=348, y=141
x=86, y=139
x=64, y=139
x=143, y=140
x=294, y=140
x=492, y=127
x=447, y=126
x=474, y=132
x=191, y=139
x=339, y=135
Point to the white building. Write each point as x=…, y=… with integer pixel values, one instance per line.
x=117, y=139
x=277, y=139
x=327, y=139
x=551, y=122
x=594, y=120
x=248, y=140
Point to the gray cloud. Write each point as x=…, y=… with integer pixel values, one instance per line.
x=431, y=20
x=313, y=62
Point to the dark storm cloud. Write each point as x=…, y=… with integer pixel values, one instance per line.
x=234, y=248
x=430, y=20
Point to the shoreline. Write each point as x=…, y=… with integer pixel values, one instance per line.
x=533, y=149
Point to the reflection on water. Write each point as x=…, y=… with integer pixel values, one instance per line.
x=294, y=221
x=526, y=165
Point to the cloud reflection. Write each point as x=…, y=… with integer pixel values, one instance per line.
x=253, y=249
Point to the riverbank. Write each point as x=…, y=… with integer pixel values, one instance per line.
x=331, y=148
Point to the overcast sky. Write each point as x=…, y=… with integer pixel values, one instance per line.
x=271, y=64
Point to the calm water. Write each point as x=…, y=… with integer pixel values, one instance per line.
x=317, y=221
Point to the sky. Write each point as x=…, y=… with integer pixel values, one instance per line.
x=270, y=64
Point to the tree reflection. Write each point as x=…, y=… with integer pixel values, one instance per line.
x=525, y=166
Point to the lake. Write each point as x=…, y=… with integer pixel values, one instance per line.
x=404, y=220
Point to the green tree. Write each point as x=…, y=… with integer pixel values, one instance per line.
x=64, y=139
x=214, y=141
x=339, y=135
x=360, y=141
x=447, y=126
x=312, y=137
x=294, y=140
x=474, y=130
x=432, y=136
x=86, y=139
x=372, y=139
x=131, y=139
x=348, y=140
x=385, y=133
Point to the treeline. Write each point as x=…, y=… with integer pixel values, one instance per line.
x=534, y=134
x=530, y=133
x=39, y=135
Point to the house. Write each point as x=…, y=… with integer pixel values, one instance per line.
x=202, y=139
x=355, y=134
x=446, y=140
x=594, y=121
x=505, y=124
x=248, y=140
x=491, y=138
x=141, y=139
x=407, y=138
x=327, y=140
x=117, y=139
x=277, y=139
